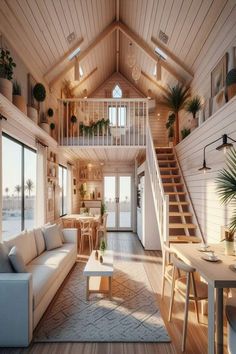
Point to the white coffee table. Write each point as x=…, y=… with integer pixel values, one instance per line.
x=94, y=268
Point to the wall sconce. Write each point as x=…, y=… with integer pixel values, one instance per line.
x=224, y=146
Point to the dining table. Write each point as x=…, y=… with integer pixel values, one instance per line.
x=219, y=275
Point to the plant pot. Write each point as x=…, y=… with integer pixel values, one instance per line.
x=19, y=102
x=231, y=91
x=32, y=113
x=229, y=248
x=46, y=127
x=6, y=88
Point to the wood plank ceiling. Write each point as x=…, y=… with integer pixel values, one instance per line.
x=38, y=30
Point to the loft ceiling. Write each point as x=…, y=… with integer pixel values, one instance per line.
x=38, y=30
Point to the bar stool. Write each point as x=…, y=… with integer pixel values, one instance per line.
x=101, y=228
x=167, y=267
x=189, y=288
x=86, y=230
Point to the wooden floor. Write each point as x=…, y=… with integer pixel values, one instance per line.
x=128, y=247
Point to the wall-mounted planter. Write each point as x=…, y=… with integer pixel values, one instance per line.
x=45, y=127
x=19, y=102
x=32, y=113
x=6, y=88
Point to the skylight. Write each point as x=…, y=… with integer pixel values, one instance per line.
x=161, y=54
x=74, y=53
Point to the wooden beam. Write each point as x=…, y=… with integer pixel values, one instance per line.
x=172, y=56
x=117, y=36
x=108, y=30
x=85, y=78
x=146, y=49
x=63, y=58
x=162, y=88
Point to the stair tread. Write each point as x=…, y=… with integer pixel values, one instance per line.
x=166, y=161
x=184, y=239
x=175, y=193
x=182, y=226
x=168, y=168
x=177, y=213
x=170, y=176
x=178, y=203
x=172, y=184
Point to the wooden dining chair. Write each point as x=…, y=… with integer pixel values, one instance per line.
x=86, y=231
x=101, y=228
x=68, y=223
x=188, y=287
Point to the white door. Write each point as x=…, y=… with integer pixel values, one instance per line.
x=118, y=200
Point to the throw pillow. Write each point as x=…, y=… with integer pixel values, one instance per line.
x=39, y=239
x=59, y=226
x=5, y=264
x=52, y=237
x=17, y=260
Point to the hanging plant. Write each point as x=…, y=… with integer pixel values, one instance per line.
x=7, y=65
x=73, y=119
x=50, y=112
x=39, y=92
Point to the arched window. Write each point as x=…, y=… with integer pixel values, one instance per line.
x=117, y=92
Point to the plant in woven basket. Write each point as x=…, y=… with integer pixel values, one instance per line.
x=7, y=64
x=226, y=186
x=50, y=112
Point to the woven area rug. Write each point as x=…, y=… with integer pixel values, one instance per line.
x=131, y=316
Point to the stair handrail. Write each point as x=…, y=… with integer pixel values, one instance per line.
x=161, y=200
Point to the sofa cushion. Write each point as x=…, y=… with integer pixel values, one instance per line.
x=5, y=264
x=52, y=237
x=25, y=244
x=39, y=240
x=60, y=230
x=42, y=278
x=55, y=257
x=17, y=260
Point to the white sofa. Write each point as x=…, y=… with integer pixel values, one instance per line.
x=24, y=297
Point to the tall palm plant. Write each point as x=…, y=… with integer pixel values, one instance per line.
x=175, y=99
x=226, y=185
x=29, y=186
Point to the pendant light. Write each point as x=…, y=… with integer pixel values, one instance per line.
x=131, y=60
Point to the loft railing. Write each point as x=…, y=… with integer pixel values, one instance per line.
x=161, y=200
x=102, y=122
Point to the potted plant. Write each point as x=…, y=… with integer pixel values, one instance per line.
x=170, y=126
x=231, y=84
x=18, y=99
x=185, y=132
x=39, y=92
x=175, y=99
x=7, y=66
x=193, y=106
x=103, y=246
x=226, y=188
x=52, y=129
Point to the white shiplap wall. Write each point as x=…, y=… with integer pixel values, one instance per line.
x=202, y=187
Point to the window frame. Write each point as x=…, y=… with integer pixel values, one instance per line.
x=117, y=116
x=114, y=88
x=23, y=147
x=62, y=189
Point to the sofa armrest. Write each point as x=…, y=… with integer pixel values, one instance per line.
x=70, y=235
x=16, y=309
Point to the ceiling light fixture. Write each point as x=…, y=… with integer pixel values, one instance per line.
x=74, y=53
x=149, y=94
x=85, y=93
x=224, y=146
x=162, y=55
x=131, y=60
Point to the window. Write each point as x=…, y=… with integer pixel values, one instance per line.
x=117, y=92
x=117, y=116
x=63, y=189
x=19, y=186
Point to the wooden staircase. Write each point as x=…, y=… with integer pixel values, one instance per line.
x=181, y=227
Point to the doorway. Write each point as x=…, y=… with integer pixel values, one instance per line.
x=118, y=200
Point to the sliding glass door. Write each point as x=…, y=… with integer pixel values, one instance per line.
x=118, y=200
x=18, y=186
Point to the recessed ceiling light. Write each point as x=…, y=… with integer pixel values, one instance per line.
x=71, y=37
x=160, y=53
x=158, y=114
x=74, y=53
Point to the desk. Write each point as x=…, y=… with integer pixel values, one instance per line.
x=218, y=276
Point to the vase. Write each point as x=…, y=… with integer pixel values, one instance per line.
x=32, y=113
x=19, y=102
x=6, y=88
x=229, y=248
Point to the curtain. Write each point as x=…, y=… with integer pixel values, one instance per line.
x=69, y=188
x=41, y=190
